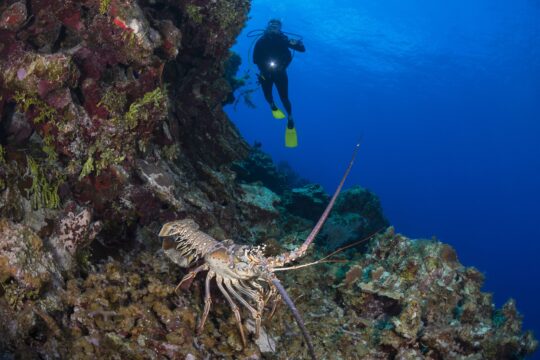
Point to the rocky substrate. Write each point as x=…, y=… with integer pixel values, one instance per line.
x=401, y=298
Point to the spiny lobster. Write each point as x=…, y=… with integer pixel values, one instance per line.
x=241, y=272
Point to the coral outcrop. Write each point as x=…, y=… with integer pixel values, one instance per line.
x=259, y=167
x=357, y=215
x=111, y=124
x=97, y=89
x=307, y=201
x=425, y=304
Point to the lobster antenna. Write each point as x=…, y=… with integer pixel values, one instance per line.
x=321, y=261
x=296, y=315
x=301, y=251
x=335, y=252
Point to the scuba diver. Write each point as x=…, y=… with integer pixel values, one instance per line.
x=272, y=56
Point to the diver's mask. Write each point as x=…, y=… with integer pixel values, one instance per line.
x=273, y=27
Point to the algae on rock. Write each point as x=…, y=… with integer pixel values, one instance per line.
x=43, y=192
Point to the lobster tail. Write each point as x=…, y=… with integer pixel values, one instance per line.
x=188, y=243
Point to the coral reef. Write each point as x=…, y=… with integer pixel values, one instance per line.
x=23, y=259
x=231, y=68
x=260, y=200
x=111, y=124
x=417, y=299
x=259, y=167
x=307, y=201
x=357, y=215
x=94, y=94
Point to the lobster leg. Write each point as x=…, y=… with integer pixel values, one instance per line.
x=275, y=303
x=255, y=296
x=258, y=288
x=254, y=313
x=207, y=301
x=234, y=307
x=275, y=298
x=259, y=297
x=191, y=275
x=271, y=294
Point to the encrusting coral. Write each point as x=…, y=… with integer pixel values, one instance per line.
x=111, y=124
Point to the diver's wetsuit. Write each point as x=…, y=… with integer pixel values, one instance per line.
x=272, y=56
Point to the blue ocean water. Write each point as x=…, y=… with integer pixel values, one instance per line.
x=446, y=98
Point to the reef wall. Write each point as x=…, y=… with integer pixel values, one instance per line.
x=111, y=124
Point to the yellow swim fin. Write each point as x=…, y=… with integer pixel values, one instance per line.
x=291, y=140
x=278, y=114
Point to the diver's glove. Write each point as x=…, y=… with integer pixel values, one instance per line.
x=296, y=43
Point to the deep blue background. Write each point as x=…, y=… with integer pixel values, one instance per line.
x=446, y=97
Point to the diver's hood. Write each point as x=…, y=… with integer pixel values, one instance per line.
x=274, y=26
